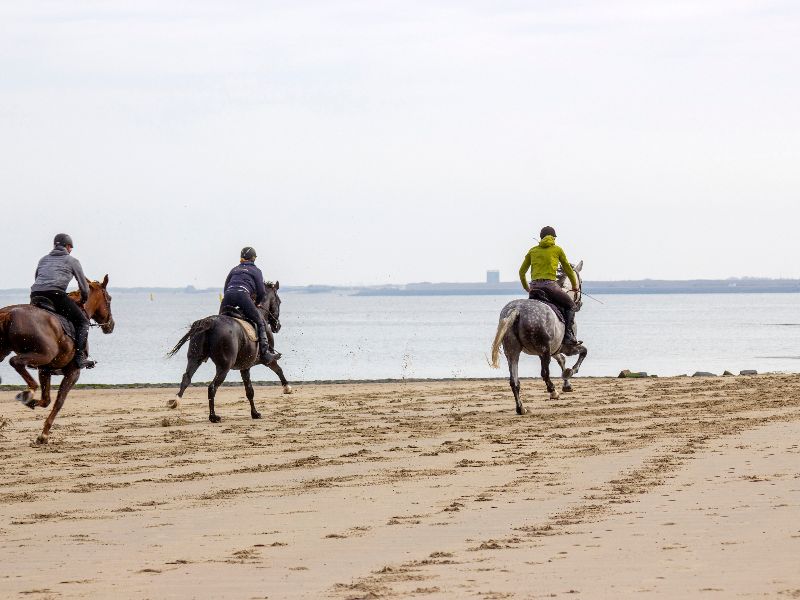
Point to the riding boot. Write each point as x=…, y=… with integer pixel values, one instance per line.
x=266, y=356
x=569, y=332
x=81, y=339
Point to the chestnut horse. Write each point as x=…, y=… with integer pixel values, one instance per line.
x=39, y=341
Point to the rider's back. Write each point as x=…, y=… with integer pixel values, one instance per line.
x=544, y=258
x=55, y=271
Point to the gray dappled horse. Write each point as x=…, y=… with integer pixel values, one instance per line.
x=532, y=327
x=222, y=339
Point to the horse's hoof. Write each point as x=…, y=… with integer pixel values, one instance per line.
x=554, y=395
x=287, y=389
x=566, y=388
x=214, y=418
x=255, y=415
x=25, y=397
x=172, y=402
x=41, y=440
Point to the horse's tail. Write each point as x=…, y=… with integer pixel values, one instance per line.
x=502, y=328
x=197, y=327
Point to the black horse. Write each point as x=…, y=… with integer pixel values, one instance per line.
x=222, y=339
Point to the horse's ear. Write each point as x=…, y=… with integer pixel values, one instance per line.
x=577, y=268
x=277, y=285
x=105, y=282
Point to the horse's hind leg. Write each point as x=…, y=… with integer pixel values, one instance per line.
x=545, y=358
x=512, y=356
x=248, y=388
x=20, y=363
x=222, y=373
x=276, y=368
x=191, y=368
x=70, y=377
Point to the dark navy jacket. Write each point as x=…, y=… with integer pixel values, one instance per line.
x=247, y=277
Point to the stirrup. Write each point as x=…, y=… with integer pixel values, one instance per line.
x=83, y=362
x=267, y=358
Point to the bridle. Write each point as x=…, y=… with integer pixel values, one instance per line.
x=93, y=322
x=272, y=319
x=578, y=294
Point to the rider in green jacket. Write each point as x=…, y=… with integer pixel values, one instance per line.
x=543, y=260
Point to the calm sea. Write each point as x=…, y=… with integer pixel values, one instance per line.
x=335, y=336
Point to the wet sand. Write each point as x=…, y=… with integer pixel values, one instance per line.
x=654, y=488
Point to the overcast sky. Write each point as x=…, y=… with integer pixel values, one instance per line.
x=371, y=142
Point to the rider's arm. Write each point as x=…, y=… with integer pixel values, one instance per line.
x=523, y=271
x=568, y=269
x=227, y=281
x=83, y=284
x=261, y=290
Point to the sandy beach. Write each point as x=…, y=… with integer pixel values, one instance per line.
x=657, y=488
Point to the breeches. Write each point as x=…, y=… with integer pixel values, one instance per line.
x=245, y=304
x=554, y=293
x=65, y=306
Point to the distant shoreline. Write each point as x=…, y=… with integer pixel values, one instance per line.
x=746, y=285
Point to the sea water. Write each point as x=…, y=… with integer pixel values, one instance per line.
x=336, y=336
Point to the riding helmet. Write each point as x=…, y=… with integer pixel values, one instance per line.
x=248, y=253
x=62, y=239
x=547, y=231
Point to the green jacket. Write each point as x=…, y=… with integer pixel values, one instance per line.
x=543, y=261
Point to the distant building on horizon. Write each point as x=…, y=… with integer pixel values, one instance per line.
x=492, y=276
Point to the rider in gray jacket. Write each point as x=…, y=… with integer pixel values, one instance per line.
x=53, y=274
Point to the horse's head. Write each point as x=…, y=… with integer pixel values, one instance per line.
x=98, y=305
x=271, y=306
x=566, y=285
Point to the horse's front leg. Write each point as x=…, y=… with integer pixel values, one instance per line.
x=565, y=372
x=44, y=381
x=276, y=368
x=248, y=388
x=20, y=363
x=545, y=358
x=222, y=373
x=581, y=355
x=71, y=375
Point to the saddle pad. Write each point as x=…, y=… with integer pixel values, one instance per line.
x=66, y=324
x=541, y=298
x=249, y=330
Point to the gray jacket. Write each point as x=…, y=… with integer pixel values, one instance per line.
x=56, y=270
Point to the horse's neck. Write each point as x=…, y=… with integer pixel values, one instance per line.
x=90, y=306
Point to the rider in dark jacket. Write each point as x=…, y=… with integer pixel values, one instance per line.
x=53, y=274
x=243, y=283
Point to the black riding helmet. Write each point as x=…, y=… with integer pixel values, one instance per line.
x=248, y=253
x=547, y=231
x=62, y=239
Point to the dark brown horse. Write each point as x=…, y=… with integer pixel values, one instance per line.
x=39, y=341
x=225, y=342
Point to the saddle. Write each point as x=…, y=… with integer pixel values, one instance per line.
x=46, y=304
x=540, y=296
x=236, y=314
